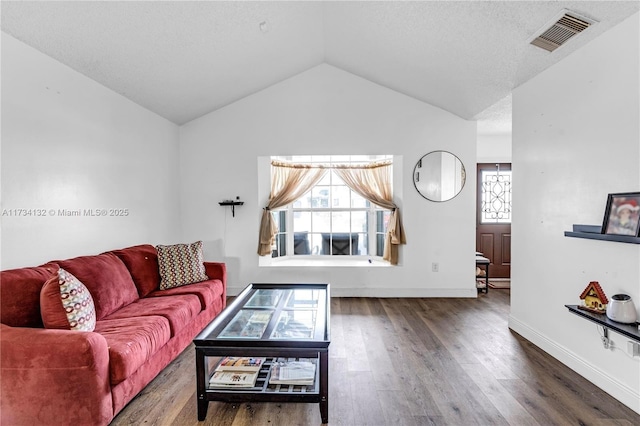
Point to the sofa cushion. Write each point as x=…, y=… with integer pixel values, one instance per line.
x=179, y=310
x=181, y=264
x=20, y=295
x=207, y=292
x=107, y=279
x=142, y=263
x=132, y=341
x=65, y=303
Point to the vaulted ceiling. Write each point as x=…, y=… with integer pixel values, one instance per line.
x=185, y=59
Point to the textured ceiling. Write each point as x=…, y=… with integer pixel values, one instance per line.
x=185, y=59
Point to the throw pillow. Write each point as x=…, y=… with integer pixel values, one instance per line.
x=66, y=303
x=181, y=264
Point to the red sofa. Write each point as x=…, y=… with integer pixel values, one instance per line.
x=65, y=377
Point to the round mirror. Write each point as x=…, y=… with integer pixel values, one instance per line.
x=439, y=176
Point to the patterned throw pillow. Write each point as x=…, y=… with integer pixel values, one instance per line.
x=65, y=303
x=181, y=264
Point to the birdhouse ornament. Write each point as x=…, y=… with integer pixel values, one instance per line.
x=594, y=299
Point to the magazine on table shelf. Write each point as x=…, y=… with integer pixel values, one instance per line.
x=240, y=363
x=298, y=372
x=233, y=379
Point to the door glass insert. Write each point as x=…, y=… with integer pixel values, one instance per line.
x=496, y=196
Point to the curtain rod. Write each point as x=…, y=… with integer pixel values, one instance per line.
x=372, y=165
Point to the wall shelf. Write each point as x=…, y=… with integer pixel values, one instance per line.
x=233, y=205
x=628, y=330
x=592, y=232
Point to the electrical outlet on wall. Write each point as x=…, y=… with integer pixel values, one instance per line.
x=435, y=267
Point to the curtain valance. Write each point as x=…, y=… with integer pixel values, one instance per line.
x=370, y=165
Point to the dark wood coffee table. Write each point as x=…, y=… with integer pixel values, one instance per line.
x=276, y=321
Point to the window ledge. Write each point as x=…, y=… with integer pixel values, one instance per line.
x=310, y=261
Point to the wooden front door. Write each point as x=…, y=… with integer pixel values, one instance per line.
x=493, y=224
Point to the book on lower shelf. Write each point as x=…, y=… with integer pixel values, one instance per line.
x=299, y=372
x=233, y=379
x=240, y=363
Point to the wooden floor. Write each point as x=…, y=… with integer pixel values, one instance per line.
x=409, y=362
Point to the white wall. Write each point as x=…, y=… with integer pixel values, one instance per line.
x=494, y=148
x=576, y=138
x=69, y=143
x=329, y=111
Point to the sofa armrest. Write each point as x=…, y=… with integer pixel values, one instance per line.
x=218, y=271
x=54, y=376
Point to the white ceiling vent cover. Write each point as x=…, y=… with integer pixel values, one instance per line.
x=560, y=29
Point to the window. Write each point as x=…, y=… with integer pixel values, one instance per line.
x=330, y=219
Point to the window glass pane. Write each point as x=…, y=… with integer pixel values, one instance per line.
x=321, y=221
x=340, y=243
x=280, y=245
x=340, y=198
x=357, y=201
x=362, y=244
x=321, y=158
x=326, y=179
x=379, y=223
x=301, y=221
x=320, y=196
x=383, y=220
x=359, y=221
x=316, y=243
x=301, y=243
x=303, y=202
x=335, y=179
x=341, y=221
x=379, y=244
x=280, y=218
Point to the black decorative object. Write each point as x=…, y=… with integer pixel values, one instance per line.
x=233, y=204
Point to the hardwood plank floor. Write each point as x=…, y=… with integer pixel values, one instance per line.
x=409, y=362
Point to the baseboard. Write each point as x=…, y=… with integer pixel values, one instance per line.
x=619, y=391
x=405, y=292
x=388, y=292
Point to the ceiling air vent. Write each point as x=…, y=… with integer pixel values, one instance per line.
x=560, y=29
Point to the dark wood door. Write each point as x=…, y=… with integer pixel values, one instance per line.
x=493, y=223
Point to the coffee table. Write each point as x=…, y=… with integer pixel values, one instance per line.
x=276, y=321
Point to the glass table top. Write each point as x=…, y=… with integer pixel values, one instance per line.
x=274, y=312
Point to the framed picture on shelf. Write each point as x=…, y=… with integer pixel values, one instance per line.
x=622, y=215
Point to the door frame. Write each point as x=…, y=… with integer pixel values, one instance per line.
x=498, y=265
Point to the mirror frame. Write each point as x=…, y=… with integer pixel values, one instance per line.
x=464, y=175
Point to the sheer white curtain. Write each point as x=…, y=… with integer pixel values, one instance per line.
x=373, y=182
x=288, y=183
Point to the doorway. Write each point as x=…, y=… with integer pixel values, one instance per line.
x=493, y=219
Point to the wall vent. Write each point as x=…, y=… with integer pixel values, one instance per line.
x=560, y=30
